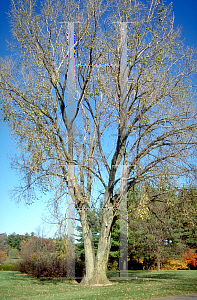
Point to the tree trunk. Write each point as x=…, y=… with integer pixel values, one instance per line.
x=88, y=246
x=104, y=246
x=97, y=275
x=158, y=255
x=158, y=263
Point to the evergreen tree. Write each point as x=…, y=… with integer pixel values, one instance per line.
x=187, y=211
x=154, y=225
x=14, y=240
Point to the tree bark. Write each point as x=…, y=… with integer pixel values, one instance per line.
x=88, y=247
x=158, y=263
x=96, y=272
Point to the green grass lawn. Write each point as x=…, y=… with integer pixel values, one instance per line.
x=14, y=285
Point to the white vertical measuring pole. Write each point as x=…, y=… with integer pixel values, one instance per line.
x=123, y=79
x=123, y=257
x=123, y=247
x=70, y=114
x=71, y=73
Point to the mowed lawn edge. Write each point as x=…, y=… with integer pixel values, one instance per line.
x=148, y=285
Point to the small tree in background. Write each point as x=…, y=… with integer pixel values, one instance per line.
x=3, y=241
x=3, y=256
x=40, y=258
x=14, y=240
x=155, y=223
x=14, y=253
x=187, y=213
x=113, y=261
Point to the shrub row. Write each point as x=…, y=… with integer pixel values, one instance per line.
x=174, y=264
x=48, y=265
x=9, y=267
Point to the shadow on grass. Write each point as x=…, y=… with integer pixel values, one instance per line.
x=152, y=276
x=169, y=275
x=48, y=281
x=183, y=281
x=45, y=280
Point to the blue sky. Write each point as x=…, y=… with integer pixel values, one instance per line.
x=18, y=217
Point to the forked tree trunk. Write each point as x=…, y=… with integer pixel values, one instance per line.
x=100, y=276
x=88, y=247
x=96, y=272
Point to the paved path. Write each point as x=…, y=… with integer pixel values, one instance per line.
x=180, y=297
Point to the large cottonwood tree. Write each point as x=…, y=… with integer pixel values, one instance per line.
x=133, y=103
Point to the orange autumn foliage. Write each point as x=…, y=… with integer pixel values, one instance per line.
x=190, y=257
x=3, y=255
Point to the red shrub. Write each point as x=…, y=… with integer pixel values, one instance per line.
x=190, y=257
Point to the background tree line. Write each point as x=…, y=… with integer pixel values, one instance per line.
x=36, y=256
x=162, y=226
x=162, y=231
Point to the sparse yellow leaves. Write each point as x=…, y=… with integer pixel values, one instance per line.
x=143, y=212
x=148, y=79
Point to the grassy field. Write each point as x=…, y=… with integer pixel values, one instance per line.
x=14, y=285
